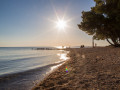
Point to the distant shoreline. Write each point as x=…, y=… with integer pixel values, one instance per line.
x=88, y=68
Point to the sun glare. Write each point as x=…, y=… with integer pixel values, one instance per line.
x=61, y=24
x=61, y=47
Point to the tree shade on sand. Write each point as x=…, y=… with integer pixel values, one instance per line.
x=103, y=21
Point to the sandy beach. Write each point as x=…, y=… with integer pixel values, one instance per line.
x=59, y=44
x=88, y=68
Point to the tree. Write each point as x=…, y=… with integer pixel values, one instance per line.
x=103, y=21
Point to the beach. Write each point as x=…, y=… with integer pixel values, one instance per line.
x=88, y=69
x=59, y=44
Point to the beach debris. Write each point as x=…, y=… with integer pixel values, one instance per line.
x=83, y=56
x=97, y=57
x=66, y=69
x=35, y=82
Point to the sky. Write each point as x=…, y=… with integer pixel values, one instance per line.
x=32, y=23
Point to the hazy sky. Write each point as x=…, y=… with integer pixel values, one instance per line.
x=29, y=23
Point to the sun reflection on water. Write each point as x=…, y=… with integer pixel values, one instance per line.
x=54, y=67
x=63, y=56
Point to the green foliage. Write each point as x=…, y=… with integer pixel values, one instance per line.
x=103, y=21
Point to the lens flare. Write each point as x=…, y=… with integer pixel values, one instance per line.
x=61, y=24
x=66, y=69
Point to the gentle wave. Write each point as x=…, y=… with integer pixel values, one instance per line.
x=30, y=70
x=27, y=58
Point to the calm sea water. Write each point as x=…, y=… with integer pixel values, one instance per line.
x=21, y=68
x=19, y=59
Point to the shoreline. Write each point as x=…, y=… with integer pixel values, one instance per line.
x=26, y=80
x=88, y=68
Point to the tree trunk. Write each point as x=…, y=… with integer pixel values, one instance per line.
x=115, y=43
x=109, y=42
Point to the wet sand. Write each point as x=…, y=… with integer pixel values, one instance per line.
x=88, y=69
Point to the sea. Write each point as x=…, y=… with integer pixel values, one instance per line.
x=21, y=68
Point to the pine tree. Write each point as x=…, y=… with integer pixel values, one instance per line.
x=103, y=21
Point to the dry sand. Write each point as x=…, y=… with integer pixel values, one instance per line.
x=88, y=69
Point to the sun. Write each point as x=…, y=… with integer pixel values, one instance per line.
x=61, y=24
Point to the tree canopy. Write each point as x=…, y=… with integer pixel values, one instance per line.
x=103, y=21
